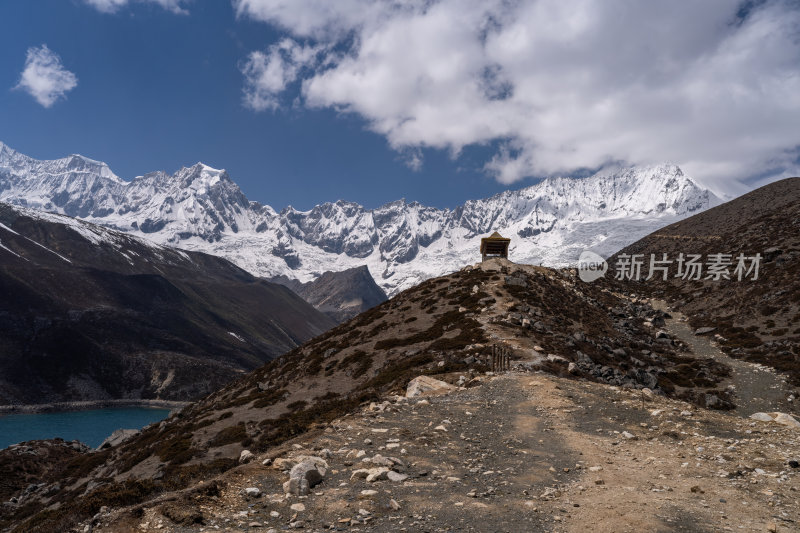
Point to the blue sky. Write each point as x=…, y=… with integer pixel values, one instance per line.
x=310, y=101
x=157, y=91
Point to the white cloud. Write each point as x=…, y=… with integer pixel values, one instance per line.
x=559, y=85
x=268, y=74
x=44, y=77
x=112, y=6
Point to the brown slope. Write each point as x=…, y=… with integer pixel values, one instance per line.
x=443, y=327
x=757, y=320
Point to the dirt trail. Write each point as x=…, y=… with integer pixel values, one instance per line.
x=758, y=388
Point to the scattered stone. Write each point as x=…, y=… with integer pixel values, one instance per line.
x=283, y=463
x=370, y=474
x=703, y=331
x=394, y=505
x=368, y=493
x=550, y=493
x=297, y=507
x=396, y=476
x=252, y=492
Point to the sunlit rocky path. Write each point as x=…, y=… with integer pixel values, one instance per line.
x=757, y=388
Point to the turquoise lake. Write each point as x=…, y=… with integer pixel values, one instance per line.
x=91, y=426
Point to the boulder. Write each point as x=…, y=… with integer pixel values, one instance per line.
x=425, y=385
x=305, y=475
x=246, y=456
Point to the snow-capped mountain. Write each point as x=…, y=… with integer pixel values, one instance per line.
x=402, y=243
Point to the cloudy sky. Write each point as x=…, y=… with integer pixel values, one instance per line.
x=306, y=101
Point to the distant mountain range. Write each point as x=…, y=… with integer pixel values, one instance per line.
x=89, y=313
x=201, y=208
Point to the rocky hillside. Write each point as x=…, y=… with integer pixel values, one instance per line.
x=512, y=453
x=89, y=313
x=202, y=208
x=753, y=319
x=448, y=327
x=340, y=295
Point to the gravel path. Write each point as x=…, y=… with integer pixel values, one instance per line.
x=758, y=388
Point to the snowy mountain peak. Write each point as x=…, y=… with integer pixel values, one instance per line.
x=402, y=243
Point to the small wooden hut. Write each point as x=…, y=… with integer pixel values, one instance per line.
x=494, y=246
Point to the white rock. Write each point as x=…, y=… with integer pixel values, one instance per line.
x=252, y=492
x=305, y=475
x=763, y=417
x=370, y=474
x=298, y=507
x=246, y=456
x=427, y=385
x=786, y=420
x=780, y=418
x=396, y=476
x=377, y=474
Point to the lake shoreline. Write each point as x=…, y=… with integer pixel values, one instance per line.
x=89, y=404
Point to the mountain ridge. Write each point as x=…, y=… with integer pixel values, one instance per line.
x=402, y=243
x=340, y=295
x=89, y=313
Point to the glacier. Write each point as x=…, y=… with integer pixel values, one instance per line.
x=402, y=243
